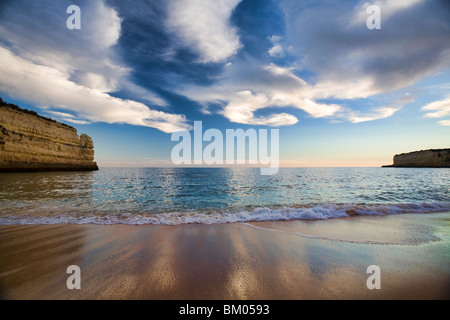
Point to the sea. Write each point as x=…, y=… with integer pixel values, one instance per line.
x=174, y=196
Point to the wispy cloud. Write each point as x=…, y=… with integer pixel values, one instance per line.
x=67, y=117
x=376, y=114
x=165, y=58
x=347, y=64
x=205, y=27
x=277, y=49
x=48, y=86
x=267, y=86
x=444, y=123
x=406, y=50
x=57, y=68
x=272, y=86
x=438, y=109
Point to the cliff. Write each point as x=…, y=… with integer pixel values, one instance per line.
x=29, y=142
x=434, y=158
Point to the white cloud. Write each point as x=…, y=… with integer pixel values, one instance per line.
x=98, y=82
x=76, y=70
x=444, y=123
x=344, y=89
x=244, y=104
x=406, y=50
x=74, y=121
x=376, y=114
x=48, y=86
x=105, y=28
x=277, y=50
x=87, y=55
x=61, y=114
x=439, y=108
x=267, y=86
x=205, y=27
x=272, y=86
x=82, y=53
x=67, y=117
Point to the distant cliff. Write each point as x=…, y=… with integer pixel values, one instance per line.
x=29, y=142
x=434, y=158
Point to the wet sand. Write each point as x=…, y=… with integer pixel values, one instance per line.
x=263, y=260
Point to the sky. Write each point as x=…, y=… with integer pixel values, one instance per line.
x=341, y=94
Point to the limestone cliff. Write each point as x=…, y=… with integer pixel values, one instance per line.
x=434, y=158
x=29, y=142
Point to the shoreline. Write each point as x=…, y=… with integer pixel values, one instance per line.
x=308, y=213
x=271, y=260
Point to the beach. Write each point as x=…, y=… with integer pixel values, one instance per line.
x=321, y=259
x=191, y=150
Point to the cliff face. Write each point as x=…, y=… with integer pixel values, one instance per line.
x=435, y=158
x=29, y=142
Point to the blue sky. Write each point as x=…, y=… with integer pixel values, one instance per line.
x=341, y=94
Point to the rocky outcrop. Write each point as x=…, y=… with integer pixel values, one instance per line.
x=434, y=158
x=29, y=142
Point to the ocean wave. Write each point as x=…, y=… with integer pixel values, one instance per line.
x=318, y=212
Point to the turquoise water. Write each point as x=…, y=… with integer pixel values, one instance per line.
x=218, y=195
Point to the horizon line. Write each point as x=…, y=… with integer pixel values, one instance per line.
x=231, y=167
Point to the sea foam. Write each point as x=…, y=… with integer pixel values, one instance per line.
x=318, y=212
